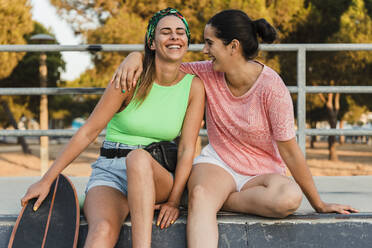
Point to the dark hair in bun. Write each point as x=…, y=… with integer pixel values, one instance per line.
x=235, y=24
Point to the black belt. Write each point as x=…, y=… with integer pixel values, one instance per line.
x=114, y=153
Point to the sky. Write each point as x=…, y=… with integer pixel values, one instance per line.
x=46, y=14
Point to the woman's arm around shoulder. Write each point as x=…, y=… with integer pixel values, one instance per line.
x=201, y=69
x=129, y=71
x=293, y=157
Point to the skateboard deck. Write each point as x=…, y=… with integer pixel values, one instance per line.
x=55, y=224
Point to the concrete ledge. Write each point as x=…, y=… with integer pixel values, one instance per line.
x=312, y=230
x=304, y=229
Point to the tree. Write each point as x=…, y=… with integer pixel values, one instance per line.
x=355, y=27
x=26, y=74
x=13, y=14
x=124, y=22
x=332, y=21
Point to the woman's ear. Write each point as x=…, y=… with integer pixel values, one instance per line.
x=235, y=46
x=152, y=47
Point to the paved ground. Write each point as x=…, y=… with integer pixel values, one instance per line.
x=355, y=191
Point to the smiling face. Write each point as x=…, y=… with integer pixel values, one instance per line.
x=216, y=49
x=170, y=41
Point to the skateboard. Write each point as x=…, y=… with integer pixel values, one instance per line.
x=55, y=224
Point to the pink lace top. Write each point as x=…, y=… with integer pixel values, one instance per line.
x=243, y=130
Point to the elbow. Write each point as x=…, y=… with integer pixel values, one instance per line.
x=289, y=150
x=87, y=133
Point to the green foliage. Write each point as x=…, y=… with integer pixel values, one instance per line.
x=15, y=18
x=124, y=22
x=287, y=14
x=355, y=111
x=331, y=21
x=26, y=74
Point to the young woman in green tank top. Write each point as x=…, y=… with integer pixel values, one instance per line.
x=166, y=103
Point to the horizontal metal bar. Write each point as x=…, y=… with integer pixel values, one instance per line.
x=345, y=132
x=292, y=89
x=338, y=47
x=203, y=132
x=334, y=89
x=50, y=132
x=56, y=132
x=318, y=47
x=339, y=89
x=96, y=91
x=72, y=48
x=192, y=47
x=50, y=91
x=307, y=47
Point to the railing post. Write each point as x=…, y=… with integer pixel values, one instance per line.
x=301, y=97
x=44, y=140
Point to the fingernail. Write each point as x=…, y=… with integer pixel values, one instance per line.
x=172, y=222
x=35, y=208
x=158, y=223
x=123, y=91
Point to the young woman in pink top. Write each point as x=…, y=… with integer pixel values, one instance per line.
x=250, y=124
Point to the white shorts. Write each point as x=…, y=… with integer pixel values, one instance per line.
x=210, y=156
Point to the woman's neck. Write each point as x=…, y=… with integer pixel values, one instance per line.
x=243, y=75
x=167, y=73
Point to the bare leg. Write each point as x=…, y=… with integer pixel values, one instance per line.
x=269, y=195
x=148, y=182
x=209, y=186
x=105, y=209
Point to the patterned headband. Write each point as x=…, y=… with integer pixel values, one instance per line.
x=155, y=20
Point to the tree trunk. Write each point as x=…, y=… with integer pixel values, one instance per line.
x=313, y=138
x=332, y=148
x=342, y=137
x=332, y=108
x=21, y=140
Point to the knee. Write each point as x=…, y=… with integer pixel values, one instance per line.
x=288, y=200
x=103, y=231
x=197, y=195
x=138, y=161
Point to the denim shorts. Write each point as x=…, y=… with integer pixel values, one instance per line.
x=111, y=172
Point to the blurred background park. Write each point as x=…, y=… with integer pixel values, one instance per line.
x=124, y=22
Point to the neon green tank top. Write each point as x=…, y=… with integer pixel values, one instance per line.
x=159, y=117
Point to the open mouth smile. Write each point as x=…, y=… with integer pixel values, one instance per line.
x=173, y=47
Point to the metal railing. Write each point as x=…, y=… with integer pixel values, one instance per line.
x=301, y=89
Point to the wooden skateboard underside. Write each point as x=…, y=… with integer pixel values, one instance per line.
x=54, y=225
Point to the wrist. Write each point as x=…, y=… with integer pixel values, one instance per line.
x=175, y=204
x=47, y=179
x=319, y=207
